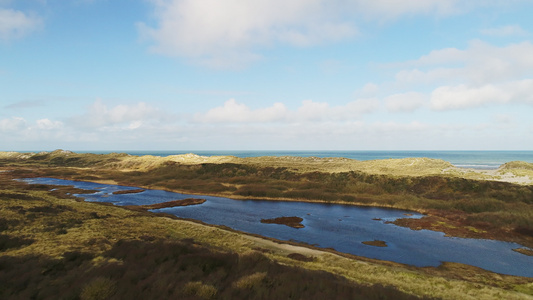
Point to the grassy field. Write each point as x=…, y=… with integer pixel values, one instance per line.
x=52, y=244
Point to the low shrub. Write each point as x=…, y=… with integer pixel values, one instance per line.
x=249, y=281
x=100, y=288
x=199, y=289
x=8, y=242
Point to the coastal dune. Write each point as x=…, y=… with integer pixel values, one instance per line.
x=514, y=172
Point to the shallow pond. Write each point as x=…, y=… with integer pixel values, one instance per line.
x=341, y=227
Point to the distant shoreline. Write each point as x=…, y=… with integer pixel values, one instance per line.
x=512, y=171
x=466, y=159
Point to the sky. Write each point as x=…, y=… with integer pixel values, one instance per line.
x=103, y=75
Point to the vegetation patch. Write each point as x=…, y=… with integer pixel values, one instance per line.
x=300, y=257
x=199, y=289
x=8, y=242
x=525, y=251
x=16, y=196
x=124, y=192
x=178, y=269
x=250, y=281
x=7, y=223
x=294, y=222
x=49, y=209
x=376, y=243
x=98, y=288
x=168, y=204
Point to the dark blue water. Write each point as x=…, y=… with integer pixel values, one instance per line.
x=463, y=159
x=341, y=227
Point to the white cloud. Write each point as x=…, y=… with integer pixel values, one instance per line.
x=503, y=118
x=12, y=125
x=100, y=116
x=46, y=124
x=351, y=134
x=370, y=89
x=479, y=64
x=417, y=76
x=308, y=111
x=24, y=104
x=314, y=125
x=234, y=112
x=314, y=111
x=482, y=74
x=464, y=96
x=16, y=24
x=362, y=106
x=229, y=33
x=504, y=31
x=406, y=102
x=387, y=9
x=522, y=90
x=442, y=56
x=19, y=131
x=220, y=33
x=396, y=129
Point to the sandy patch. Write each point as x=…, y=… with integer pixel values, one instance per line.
x=497, y=175
x=283, y=249
x=493, y=175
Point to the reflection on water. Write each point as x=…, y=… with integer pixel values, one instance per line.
x=341, y=227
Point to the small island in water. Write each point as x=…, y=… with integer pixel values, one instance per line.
x=125, y=192
x=294, y=222
x=375, y=243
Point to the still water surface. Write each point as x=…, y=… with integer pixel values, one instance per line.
x=341, y=227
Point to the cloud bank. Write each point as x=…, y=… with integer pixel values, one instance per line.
x=479, y=75
x=15, y=24
x=226, y=33
x=233, y=112
x=231, y=33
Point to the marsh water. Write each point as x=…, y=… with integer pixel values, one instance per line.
x=341, y=227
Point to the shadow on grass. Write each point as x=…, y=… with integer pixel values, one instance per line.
x=157, y=269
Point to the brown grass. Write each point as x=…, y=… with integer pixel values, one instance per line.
x=128, y=192
x=168, y=204
x=524, y=251
x=294, y=222
x=375, y=243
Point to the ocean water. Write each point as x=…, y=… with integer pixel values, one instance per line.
x=483, y=160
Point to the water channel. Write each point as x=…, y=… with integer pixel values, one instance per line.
x=341, y=227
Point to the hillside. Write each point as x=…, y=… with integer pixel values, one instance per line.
x=515, y=172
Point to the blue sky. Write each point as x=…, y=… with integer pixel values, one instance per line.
x=266, y=75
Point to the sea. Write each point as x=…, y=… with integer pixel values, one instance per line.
x=481, y=160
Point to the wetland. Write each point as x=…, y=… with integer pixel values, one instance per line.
x=345, y=228
x=168, y=213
